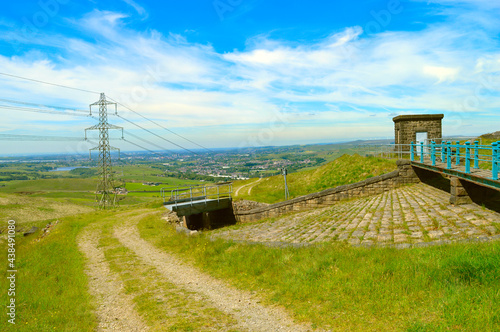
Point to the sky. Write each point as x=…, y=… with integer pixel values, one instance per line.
x=243, y=73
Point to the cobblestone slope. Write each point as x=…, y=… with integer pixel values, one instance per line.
x=416, y=215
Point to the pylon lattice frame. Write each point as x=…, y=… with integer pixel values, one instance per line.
x=105, y=193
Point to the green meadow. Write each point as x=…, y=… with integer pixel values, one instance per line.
x=343, y=170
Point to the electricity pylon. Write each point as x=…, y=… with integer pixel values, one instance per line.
x=105, y=193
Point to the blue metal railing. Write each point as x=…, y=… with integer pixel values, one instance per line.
x=466, y=154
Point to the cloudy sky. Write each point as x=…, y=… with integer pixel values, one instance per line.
x=229, y=73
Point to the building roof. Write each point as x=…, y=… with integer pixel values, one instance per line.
x=418, y=117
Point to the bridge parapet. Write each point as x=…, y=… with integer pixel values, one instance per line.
x=193, y=194
x=482, y=161
x=201, y=206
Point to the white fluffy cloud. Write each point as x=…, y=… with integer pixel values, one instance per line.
x=348, y=77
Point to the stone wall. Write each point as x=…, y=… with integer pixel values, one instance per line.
x=376, y=185
x=407, y=126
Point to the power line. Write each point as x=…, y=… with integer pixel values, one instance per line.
x=148, y=142
x=139, y=146
x=37, y=110
x=12, y=137
x=48, y=83
x=42, y=105
x=95, y=92
x=152, y=133
x=15, y=137
x=159, y=125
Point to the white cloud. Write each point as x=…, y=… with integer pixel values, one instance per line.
x=346, y=77
x=443, y=74
x=138, y=8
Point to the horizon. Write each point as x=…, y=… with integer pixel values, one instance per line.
x=202, y=151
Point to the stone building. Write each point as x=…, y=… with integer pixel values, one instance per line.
x=417, y=128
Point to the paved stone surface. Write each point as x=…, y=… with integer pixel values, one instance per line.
x=417, y=215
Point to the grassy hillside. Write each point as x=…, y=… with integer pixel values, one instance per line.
x=491, y=137
x=342, y=288
x=63, y=184
x=344, y=170
x=334, y=286
x=26, y=209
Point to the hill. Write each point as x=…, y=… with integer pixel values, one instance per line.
x=344, y=170
x=492, y=136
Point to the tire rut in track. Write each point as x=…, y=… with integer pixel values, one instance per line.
x=244, y=307
x=115, y=310
x=251, y=184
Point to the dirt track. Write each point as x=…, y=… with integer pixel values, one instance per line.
x=251, y=184
x=116, y=310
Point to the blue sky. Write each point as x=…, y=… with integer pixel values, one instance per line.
x=228, y=73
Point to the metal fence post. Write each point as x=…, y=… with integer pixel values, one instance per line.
x=442, y=150
x=494, y=160
x=205, y=194
x=458, y=153
x=433, y=153
x=448, y=155
x=467, y=157
x=422, y=152
x=412, y=152
x=476, y=154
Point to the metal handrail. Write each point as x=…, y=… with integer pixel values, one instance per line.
x=469, y=154
x=194, y=193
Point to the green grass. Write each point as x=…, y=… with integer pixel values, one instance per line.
x=162, y=305
x=344, y=170
x=52, y=185
x=147, y=173
x=25, y=209
x=343, y=288
x=51, y=286
x=74, y=191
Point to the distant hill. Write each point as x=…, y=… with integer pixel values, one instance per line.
x=368, y=142
x=343, y=170
x=492, y=136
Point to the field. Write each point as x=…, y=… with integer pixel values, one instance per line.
x=27, y=209
x=325, y=286
x=344, y=170
x=330, y=286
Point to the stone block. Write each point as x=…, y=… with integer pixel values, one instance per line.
x=455, y=182
x=460, y=200
x=458, y=191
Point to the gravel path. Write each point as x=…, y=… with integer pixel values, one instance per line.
x=115, y=309
x=251, y=184
x=245, y=308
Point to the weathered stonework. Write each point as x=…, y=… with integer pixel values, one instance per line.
x=459, y=194
x=373, y=186
x=406, y=127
